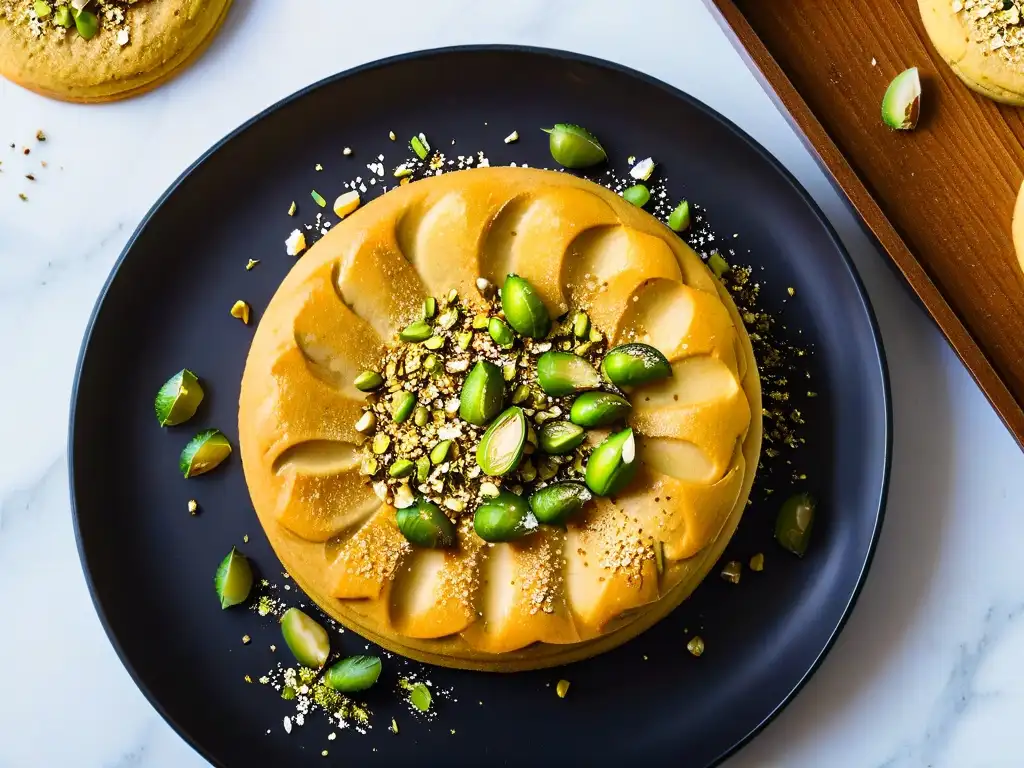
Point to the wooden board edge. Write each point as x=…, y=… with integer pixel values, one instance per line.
x=866, y=210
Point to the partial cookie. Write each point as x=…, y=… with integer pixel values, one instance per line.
x=1018, y=227
x=136, y=45
x=982, y=41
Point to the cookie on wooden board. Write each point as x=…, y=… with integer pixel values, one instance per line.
x=103, y=50
x=982, y=41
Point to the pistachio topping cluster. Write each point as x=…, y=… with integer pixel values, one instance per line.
x=484, y=410
x=56, y=18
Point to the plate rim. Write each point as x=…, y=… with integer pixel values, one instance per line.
x=514, y=49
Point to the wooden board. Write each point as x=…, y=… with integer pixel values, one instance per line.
x=939, y=199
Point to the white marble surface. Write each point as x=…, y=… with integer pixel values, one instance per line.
x=928, y=672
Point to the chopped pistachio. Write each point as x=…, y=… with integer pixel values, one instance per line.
x=367, y=381
x=508, y=371
x=718, y=264
x=394, y=726
x=447, y=318
x=595, y=336
x=240, y=310
x=514, y=136
x=757, y=562
x=562, y=688
x=431, y=363
x=401, y=468
x=581, y=325
x=381, y=443
x=292, y=208
x=732, y=571
x=391, y=135
x=642, y=170
x=420, y=416
x=420, y=146
x=251, y=263
x=434, y=342
x=696, y=645
x=422, y=469
x=318, y=198
x=402, y=171
x=192, y=506
x=464, y=340
x=520, y=394
x=42, y=9
x=367, y=423
x=440, y=452
x=480, y=322
x=429, y=307
x=369, y=466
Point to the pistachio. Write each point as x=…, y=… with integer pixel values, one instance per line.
x=557, y=437
x=696, y=645
x=306, y=639
x=599, y=409
x=595, y=336
x=732, y=571
x=573, y=146
x=901, y=105
x=480, y=322
x=448, y=318
x=719, y=266
x=356, y=673
x=422, y=469
x=401, y=468
x=178, y=399
x=233, y=579
x=612, y=464
x=425, y=525
x=464, y=339
x=87, y=24
x=757, y=562
x=420, y=416
x=524, y=309
x=562, y=688
x=429, y=307
x=563, y=373
x=367, y=381
x=418, y=331
x=546, y=469
x=420, y=147
x=381, y=443
x=629, y=365
x=434, y=342
x=489, y=489
x=203, y=453
x=483, y=393
x=500, y=332
x=439, y=452
x=794, y=523
x=368, y=466
x=554, y=504
x=42, y=9
x=527, y=471
x=637, y=195
x=581, y=325
x=501, y=446
x=431, y=364
x=506, y=517
x=367, y=423
x=63, y=17
x=521, y=394
x=402, y=404
x=679, y=219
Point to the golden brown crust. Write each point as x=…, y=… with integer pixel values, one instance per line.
x=165, y=37
x=981, y=43
x=555, y=596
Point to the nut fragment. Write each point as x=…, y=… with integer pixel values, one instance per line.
x=696, y=645
x=346, y=203
x=562, y=688
x=240, y=310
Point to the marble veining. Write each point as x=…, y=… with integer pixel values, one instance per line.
x=928, y=672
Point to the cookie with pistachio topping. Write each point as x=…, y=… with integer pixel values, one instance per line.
x=983, y=43
x=499, y=419
x=102, y=50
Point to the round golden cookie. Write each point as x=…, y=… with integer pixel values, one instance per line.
x=982, y=41
x=557, y=594
x=140, y=44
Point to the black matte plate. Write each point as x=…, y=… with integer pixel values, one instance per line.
x=150, y=565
